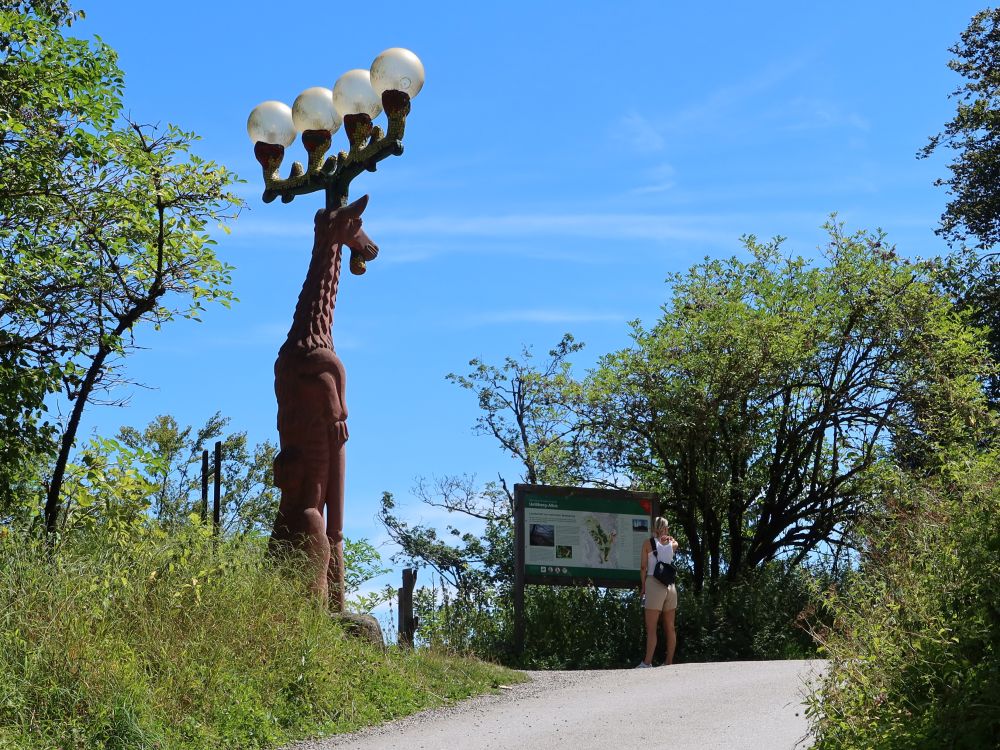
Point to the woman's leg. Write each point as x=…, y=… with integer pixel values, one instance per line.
x=668, y=629
x=652, y=616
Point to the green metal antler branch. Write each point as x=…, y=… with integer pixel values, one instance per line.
x=369, y=145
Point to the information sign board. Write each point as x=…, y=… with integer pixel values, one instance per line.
x=566, y=536
x=571, y=535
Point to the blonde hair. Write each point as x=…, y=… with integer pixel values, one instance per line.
x=660, y=524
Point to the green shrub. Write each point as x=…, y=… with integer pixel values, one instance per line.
x=755, y=618
x=914, y=645
x=582, y=628
x=593, y=628
x=565, y=627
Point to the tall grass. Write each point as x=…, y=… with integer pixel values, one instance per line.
x=149, y=641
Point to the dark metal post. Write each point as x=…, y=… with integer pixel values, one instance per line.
x=217, y=498
x=204, y=486
x=407, y=621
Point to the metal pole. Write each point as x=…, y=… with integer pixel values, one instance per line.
x=204, y=486
x=216, y=500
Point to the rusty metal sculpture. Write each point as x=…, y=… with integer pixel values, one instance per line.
x=309, y=377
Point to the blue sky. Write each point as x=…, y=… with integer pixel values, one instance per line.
x=561, y=160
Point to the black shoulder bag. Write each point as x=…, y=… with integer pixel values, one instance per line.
x=663, y=572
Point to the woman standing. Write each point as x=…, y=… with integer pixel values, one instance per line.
x=659, y=599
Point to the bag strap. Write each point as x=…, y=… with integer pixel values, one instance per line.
x=652, y=546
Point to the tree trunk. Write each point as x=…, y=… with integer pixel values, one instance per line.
x=52, y=503
x=125, y=323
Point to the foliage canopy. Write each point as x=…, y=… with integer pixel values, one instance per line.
x=105, y=224
x=974, y=134
x=770, y=390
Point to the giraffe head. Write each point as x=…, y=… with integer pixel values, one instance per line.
x=342, y=226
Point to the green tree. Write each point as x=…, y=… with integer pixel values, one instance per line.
x=529, y=409
x=974, y=134
x=51, y=88
x=105, y=225
x=770, y=390
x=971, y=277
x=145, y=484
x=533, y=413
x=172, y=462
x=764, y=407
x=972, y=281
x=472, y=562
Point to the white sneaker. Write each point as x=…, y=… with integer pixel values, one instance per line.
x=643, y=665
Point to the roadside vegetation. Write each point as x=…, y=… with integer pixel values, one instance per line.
x=915, y=630
x=822, y=432
x=912, y=649
x=764, y=408
x=136, y=639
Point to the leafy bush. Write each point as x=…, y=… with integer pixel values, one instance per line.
x=594, y=628
x=756, y=617
x=582, y=628
x=566, y=628
x=914, y=645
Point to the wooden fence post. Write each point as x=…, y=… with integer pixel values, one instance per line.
x=407, y=622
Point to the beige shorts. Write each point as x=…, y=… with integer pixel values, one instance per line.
x=659, y=596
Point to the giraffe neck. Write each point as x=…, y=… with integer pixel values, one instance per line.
x=312, y=324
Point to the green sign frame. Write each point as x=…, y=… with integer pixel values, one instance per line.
x=577, y=536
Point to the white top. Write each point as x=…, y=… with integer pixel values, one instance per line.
x=665, y=553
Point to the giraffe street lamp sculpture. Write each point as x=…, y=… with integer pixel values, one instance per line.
x=309, y=377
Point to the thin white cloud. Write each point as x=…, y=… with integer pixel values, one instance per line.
x=541, y=316
x=804, y=114
x=409, y=255
x=557, y=235
x=660, y=187
x=608, y=226
x=715, y=111
x=711, y=111
x=261, y=336
x=639, y=133
x=659, y=179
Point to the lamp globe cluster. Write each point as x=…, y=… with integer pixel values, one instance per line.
x=356, y=92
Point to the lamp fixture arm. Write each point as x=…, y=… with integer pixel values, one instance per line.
x=369, y=145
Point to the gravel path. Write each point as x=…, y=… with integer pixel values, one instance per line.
x=724, y=705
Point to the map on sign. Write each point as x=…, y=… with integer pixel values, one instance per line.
x=599, y=543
